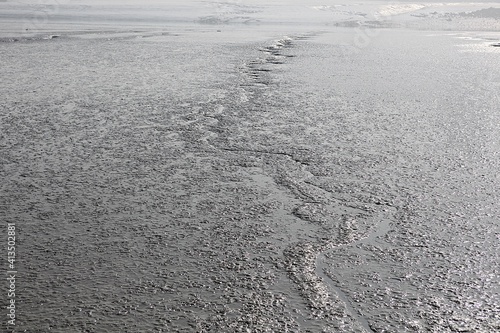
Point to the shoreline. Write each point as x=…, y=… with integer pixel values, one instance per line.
x=18, y=20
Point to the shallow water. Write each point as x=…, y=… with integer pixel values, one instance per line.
x=261, y=178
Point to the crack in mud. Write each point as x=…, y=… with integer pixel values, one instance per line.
x=303, y=261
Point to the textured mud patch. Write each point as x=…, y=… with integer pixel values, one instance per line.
x=198, y=185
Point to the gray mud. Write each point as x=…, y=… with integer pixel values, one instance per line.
x=175, y=180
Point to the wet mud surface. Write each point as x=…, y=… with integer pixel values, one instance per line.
x=288, y=184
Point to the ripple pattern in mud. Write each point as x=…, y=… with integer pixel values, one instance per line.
x=256, y=193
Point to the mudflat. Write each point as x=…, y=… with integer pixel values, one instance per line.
x=248, y=167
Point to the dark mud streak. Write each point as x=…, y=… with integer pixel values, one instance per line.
x=290, y=156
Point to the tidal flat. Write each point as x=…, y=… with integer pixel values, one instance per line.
x=245, y=167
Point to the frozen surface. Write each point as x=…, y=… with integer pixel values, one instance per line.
x=237, y=166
